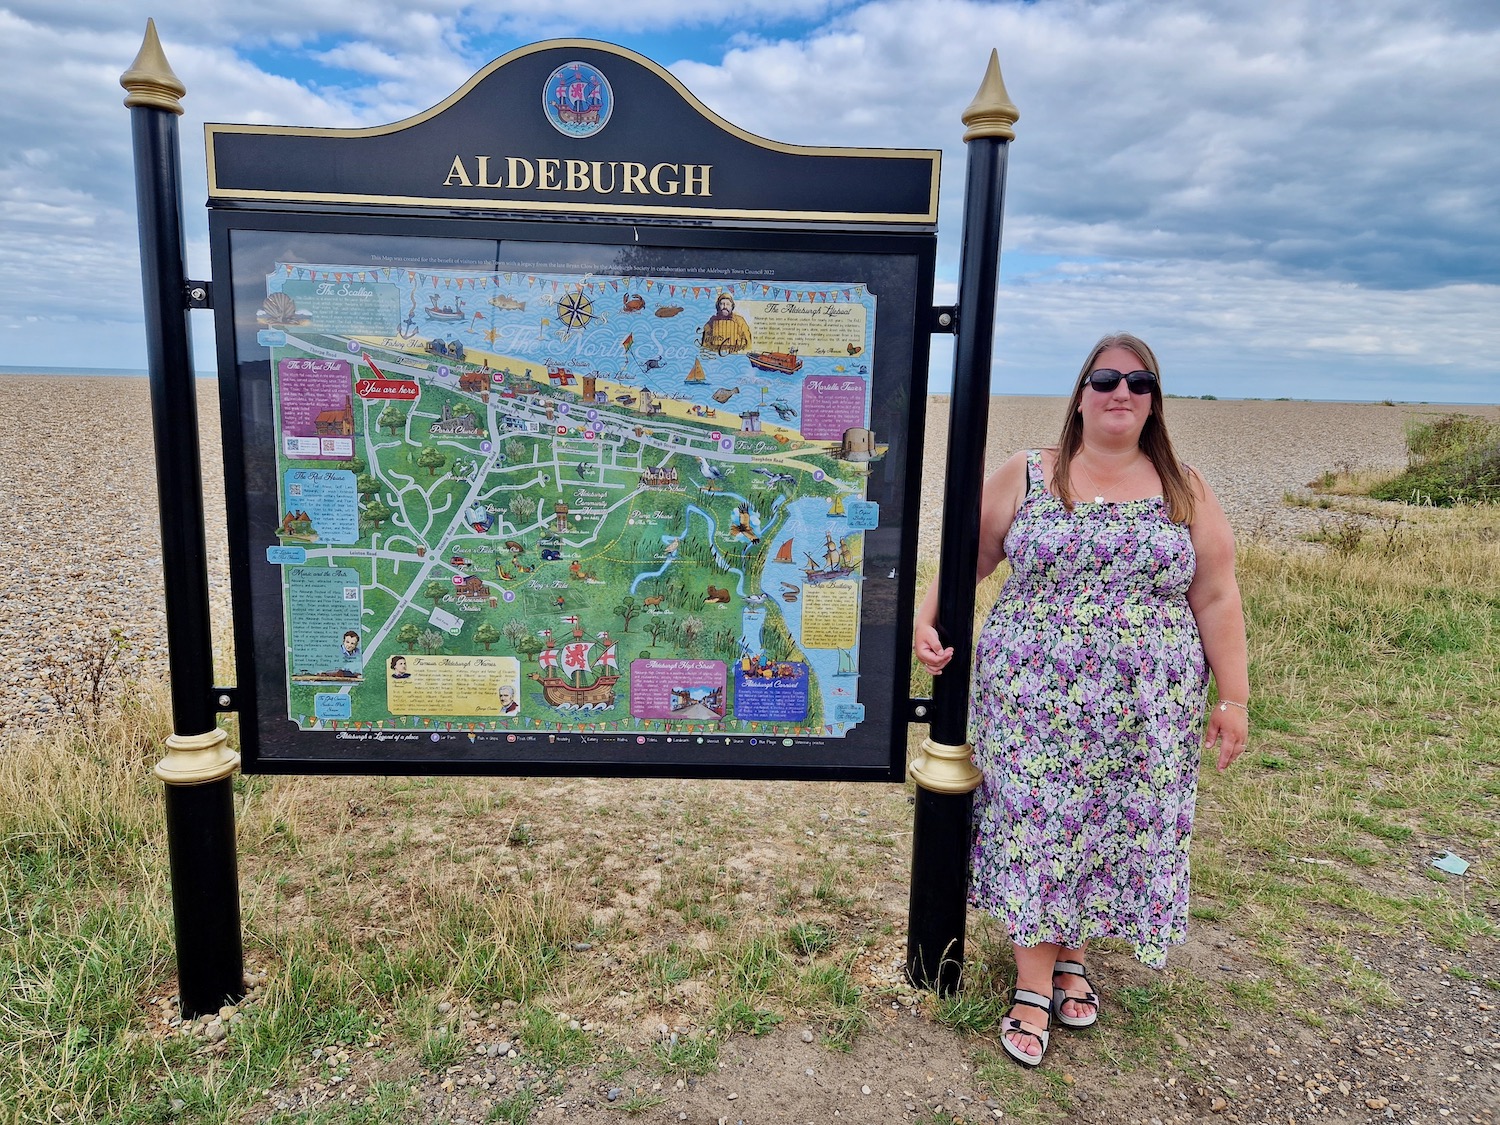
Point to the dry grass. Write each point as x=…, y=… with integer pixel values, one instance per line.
x=370, y=902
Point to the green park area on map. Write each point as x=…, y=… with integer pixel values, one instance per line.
x=520, y=501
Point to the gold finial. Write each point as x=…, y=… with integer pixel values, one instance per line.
x=150, y=80
x=991, y=113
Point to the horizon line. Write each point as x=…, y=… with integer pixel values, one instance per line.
x=142, y=373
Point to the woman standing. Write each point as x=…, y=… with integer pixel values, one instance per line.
x=1090, y=683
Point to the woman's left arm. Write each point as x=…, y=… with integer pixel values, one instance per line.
x=1215, y=600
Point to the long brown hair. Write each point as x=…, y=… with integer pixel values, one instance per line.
x=1154, y=441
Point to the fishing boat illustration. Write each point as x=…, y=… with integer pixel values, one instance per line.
x=783, y=363
x=696, y=375
x=784, y=552
x=435, y=311
x=838, y=561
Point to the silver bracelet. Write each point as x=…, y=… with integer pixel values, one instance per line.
x=1226, y=704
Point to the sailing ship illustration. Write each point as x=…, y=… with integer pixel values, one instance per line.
x=784, y=552
x=565, y=674
x=836, y=508
x=838, y=561
x=696, y=375
x=847, y=666
x=578, y=99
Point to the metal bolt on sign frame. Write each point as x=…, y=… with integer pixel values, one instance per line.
x=944, y=775
x=198, y=768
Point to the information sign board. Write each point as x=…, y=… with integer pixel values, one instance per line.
x=523, y=493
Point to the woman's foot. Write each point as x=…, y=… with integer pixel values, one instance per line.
x=1073, y=997
x=1024, y=1029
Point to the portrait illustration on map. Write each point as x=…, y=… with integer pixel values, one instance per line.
x=726, y=331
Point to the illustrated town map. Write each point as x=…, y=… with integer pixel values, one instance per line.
x=565, y=501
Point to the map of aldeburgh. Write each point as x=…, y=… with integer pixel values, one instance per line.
x=524, y=501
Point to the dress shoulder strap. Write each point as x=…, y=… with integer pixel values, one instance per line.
x=1034, y=474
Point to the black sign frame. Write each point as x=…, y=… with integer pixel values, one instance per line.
x=893, y=257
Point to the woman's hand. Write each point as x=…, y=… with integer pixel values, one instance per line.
x=930, y=650
x=1230, y=728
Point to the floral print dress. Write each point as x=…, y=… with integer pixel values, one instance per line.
x=1089, y=690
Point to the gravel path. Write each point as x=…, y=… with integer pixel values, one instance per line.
x=83, y=553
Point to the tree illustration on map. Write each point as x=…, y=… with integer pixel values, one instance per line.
x=568, y=504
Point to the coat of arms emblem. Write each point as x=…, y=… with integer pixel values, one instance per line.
x=578, y=100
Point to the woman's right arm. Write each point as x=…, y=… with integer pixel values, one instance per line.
x=1003, y=493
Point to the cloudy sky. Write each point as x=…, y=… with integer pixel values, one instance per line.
x=1285, y=197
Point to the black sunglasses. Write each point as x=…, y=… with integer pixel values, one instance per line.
x=1107, y=379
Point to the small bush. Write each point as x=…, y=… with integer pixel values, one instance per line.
x=1454, y=459
x=87, y=681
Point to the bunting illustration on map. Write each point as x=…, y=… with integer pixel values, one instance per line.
x=522, y=501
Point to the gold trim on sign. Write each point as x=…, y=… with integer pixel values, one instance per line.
x=991, y=113
x=508, y=205
x=150, y=81
x=944, y=769
x=211, y=131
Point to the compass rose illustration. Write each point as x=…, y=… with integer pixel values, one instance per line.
x=575, y=311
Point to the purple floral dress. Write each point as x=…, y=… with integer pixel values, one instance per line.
x=1089, y=690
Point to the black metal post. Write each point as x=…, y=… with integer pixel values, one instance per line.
x=198, y=767
x=944, y=775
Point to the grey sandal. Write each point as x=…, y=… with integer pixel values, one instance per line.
x=1010, y=1025
x=1091, y=998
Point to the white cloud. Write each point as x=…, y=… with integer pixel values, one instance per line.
x=1298, y=186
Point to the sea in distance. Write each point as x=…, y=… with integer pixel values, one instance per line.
x=132, y=372
x=941, y=394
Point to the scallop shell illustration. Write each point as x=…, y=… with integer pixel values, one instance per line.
x=280, y=309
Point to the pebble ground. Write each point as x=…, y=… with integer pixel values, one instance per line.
x=82, y=553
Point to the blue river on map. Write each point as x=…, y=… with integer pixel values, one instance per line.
x=804, y=522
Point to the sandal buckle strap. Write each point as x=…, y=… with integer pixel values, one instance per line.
x=1032, y=999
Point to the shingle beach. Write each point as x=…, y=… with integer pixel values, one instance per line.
x=82, y=552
